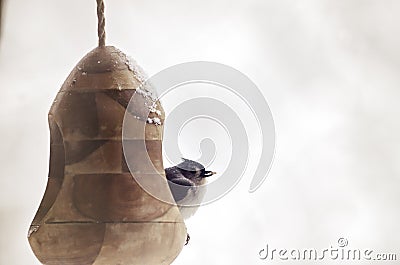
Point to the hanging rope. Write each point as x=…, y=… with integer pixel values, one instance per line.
x=101, y=31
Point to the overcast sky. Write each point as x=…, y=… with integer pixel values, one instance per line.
x=328, y=69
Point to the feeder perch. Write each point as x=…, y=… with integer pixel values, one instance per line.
x=93, y=210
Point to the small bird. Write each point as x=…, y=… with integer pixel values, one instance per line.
x=190, y=175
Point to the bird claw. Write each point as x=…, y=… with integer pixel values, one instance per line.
x=187, y=239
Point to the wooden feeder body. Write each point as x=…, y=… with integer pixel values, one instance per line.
x=93, y=210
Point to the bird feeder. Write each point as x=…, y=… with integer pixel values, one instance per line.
x=93, y=210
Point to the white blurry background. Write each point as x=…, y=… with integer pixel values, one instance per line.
x=328, y=69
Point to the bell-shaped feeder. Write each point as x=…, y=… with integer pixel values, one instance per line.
x=94, y=211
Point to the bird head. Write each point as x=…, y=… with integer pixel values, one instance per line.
x=193, y=170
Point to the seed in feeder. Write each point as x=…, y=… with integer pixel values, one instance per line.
x=152, y=109
x=157, y=121
x=33, y=229
x=156, y=111
x=149, y=120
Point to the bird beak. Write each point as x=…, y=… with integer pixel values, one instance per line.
x=209, y=173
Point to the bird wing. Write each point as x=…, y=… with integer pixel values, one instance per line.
x=175, y=177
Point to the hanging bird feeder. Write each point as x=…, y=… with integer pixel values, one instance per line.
x=93, y=210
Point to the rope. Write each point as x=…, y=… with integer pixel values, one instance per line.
x=101, y=31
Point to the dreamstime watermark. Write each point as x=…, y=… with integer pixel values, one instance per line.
x=341, y=252
x=144, y=115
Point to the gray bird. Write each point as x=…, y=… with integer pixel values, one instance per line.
x=189, y=175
